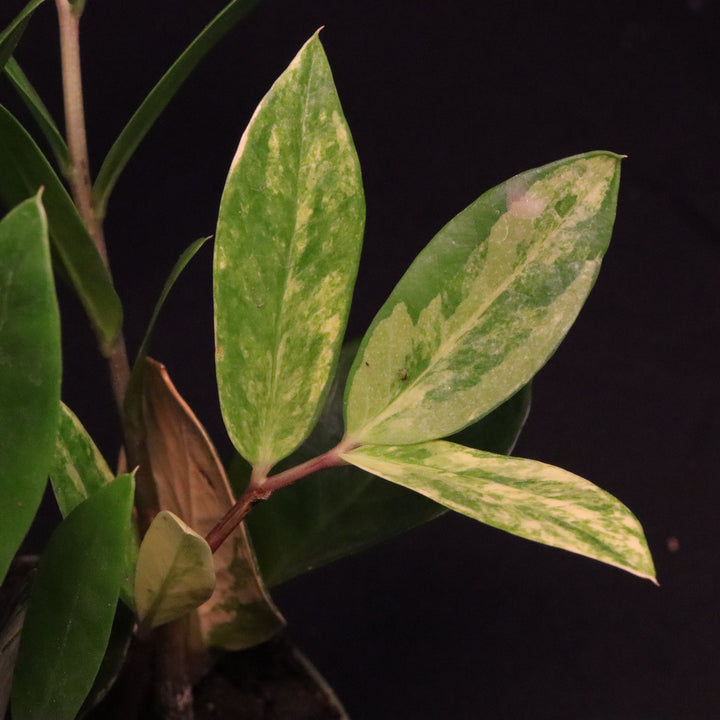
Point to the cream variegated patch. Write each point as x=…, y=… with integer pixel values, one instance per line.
x=524, y=497
x=520, y=288
x=288, y=242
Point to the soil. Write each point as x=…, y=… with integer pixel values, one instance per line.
x=273, y=681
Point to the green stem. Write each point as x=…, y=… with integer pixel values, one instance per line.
x=173, y=686
x=81, y=187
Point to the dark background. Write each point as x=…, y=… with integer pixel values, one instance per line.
x=447, y=99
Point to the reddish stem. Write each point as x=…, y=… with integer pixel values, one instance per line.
x=262, y=487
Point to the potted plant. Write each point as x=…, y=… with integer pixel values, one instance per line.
x=162, y=558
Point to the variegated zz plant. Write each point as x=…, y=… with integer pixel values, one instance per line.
x=449, y=355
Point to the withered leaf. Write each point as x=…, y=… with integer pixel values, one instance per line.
x=191, y=483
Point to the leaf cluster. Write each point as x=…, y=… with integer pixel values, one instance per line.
x=344, y=444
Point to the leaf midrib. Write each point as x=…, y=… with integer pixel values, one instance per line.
x=463, y=480
x=454, y=339
x=269, y=419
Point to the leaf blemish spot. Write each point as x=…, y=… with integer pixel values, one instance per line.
x=520, y=204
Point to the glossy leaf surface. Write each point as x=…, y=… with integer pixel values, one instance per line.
x=484, y=304
x=174, y=573
x=30, y=370
x=78, y=468
x=24, y=171
x=40, y=113
x=191, y=483
x=78, y=471
x=157, y=100
x=342, y=510
x=72, y=606
x=288, y=243
x=523, y=497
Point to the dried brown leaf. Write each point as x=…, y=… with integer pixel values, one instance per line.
x=191, y=483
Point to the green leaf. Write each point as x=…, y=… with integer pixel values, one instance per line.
x=9, y=43
x=288, y=244
x=77, y=472
x=175, y=572
x=523, y=497
x=11, y=35
x=30, y=370
x=24, y=171
x=187, y=255
x=133, y=396
x=159, y=97
x=40, y=113
x=191, y=483
x=72, y=606
x=78, y=469
x=485, y=304
x=114, y=659
x=344, y=510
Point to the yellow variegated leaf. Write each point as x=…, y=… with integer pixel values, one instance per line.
x=175, y=572
x=286, y=255
x=485, y=304
x=523, y=497
x=78, y=471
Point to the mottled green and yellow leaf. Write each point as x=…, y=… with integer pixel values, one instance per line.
x=485, y=304
x=288, y=244
x=524, y=497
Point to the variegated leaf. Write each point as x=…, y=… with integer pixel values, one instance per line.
x=343, y=510
x=192, y=484
x=78, y=471
x=175, y=571
x=78, y=467
x=523, y=497
x=286, y=255
x=485, y=304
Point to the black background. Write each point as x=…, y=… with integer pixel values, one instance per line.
x=447, y=99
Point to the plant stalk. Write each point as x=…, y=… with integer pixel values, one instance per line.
x=81, y=187
x=79, y=177
x=174, y=693
x=262, y=487
x=174, y=688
